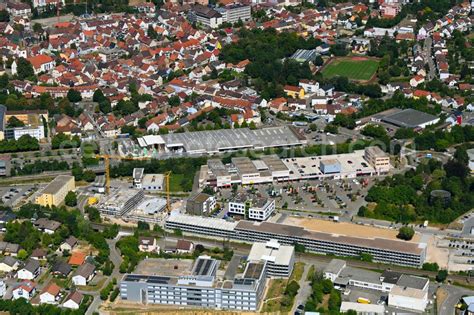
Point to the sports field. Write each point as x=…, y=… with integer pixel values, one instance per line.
x=359, y=69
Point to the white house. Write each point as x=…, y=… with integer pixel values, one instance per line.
x=9, y=264
x=148, y=244
x=83, y=274
x=73, y=301
x=184, y=247
x=50, y=294
x=68, y=244
x=30, y=271
x=40, y=63
x=25, y=289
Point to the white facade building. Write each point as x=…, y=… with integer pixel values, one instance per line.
x=280, y=259
x=252, y=208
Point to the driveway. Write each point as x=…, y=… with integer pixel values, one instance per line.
x=305, y=289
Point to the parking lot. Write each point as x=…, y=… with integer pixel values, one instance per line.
x=12, y=195
x=313, y=198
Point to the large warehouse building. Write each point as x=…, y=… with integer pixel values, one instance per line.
x=410, y=118
x=383, y=250
x=225, y=140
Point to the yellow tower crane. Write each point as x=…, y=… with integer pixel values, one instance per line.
x=107, y=158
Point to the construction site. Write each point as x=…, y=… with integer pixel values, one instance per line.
x=131, y=203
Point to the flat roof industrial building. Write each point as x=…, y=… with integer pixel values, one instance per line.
x=410, y=118
x=217, y=141
x=382, y=250
x=243, y=170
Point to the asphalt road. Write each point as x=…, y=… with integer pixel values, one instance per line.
x=116, y=260
x=429, y=58
x=454, y=295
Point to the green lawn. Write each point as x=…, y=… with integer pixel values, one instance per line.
x=175, y=182
x=360, y=70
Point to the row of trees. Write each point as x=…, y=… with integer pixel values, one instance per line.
x=24, y=143
x=40, y=166
x=22, y=306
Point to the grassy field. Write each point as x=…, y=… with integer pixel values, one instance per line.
x=175, y=182
x=359, y=70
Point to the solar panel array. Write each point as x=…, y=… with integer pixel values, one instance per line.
x=203, y=266
x=148, y=279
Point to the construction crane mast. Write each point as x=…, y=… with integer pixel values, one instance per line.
x=107, y=158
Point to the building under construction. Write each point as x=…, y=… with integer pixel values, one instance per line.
x=121, y=202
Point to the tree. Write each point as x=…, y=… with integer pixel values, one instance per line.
x=430, y=267
x=88, y=176
x=71, y=199
x=366, y=257
x=299, y=248
x=151, y=32
x=292, y=288
x=406, y=233
x=14, y=122
x=37, y=28
x=141, y=225
x=4, y=16
x=442, y=275
x=318, y=61
x=174, y=101
x=74, y=96
x=105, y=106
x=98, y=96
x=24, y=69
x=331, y=129
x=22, y=254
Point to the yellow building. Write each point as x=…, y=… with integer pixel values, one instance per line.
x=56, y=191
x=294, y=91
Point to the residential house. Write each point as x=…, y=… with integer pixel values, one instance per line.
x=83, y=274
x=46, y=225
x=148, y=244
x=184, y=247
x=77, y=259
x=25, y=289
x=309, y=86
x=9, y=249
x=73, y=300
x=294, y=91
x=40, y=63
x=50, y=294
x=30, y=271
x=9, y=264
x=17, y=8
x=417, y=80
x=68, y=244
x=39, y=254
x=61, y=268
